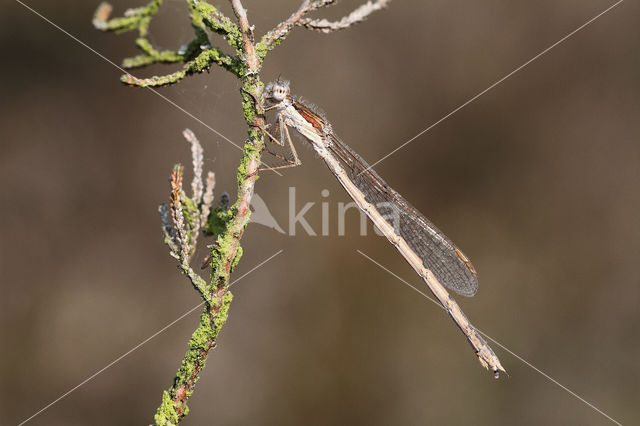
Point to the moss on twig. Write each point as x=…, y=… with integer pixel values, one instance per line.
x=137, y=18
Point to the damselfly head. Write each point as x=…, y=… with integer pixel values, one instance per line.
x=277, y=91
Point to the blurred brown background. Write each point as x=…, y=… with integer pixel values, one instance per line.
x=537, y=181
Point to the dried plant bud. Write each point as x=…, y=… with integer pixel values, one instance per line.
x=177, y=213
x=207, y=199
x=198, y=162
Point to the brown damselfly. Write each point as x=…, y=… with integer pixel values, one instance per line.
x=429, y=252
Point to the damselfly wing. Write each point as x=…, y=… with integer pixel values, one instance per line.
x=437, y=252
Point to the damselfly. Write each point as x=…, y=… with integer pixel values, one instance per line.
x=429, y=252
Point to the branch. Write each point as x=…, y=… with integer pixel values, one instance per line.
x=253, y=61
x=151, y=56
x=241, y=14
x=174, y=401
x=184, y=217
x=185, y=53
x=276, y=35
x=181, y=223
x=226, y=252
x=198, y=54
x=137, y=18
x=200, y=64
x=217, y=22
x=355, y=17
x=280, y=32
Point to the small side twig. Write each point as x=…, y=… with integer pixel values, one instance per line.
x=276, y=35
x=183, y=217
x=217, y=22
x=200, y=64
x=198, y=55
x=280, y=32
x=135, y=18
x=355, y=17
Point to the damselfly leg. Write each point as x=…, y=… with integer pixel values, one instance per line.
x=284, y=135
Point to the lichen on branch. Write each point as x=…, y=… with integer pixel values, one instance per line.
x=184, y=217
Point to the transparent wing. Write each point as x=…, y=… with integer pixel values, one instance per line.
x=437, y=252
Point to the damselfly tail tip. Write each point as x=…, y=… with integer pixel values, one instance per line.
x=496, y=373
x=491, y=362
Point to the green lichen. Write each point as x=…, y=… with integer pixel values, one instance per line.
x=213, y=55
x=218, y=221
x=202, y=340
x=261, y=50
x=144, y=45
x=167, y=56
x=219, y=23
x=155, y=81
x=251, y=151
x=152, y=56
x=236, y=258
x=200, y=64
x=138, y=18
x=166, y=413
x=219, y=254
x=263, y=47
x=191, y=211
x=223, y=313
x=249, y=110
x=268, y=42
x=139, y=61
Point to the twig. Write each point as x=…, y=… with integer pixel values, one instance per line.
x=253, y=61
x=198, y=55
x=174, y=401
x=200, y=64
x=138, y=18
x=357, y=16
x=182, y=217
x=276, y=35
x=217, y=21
